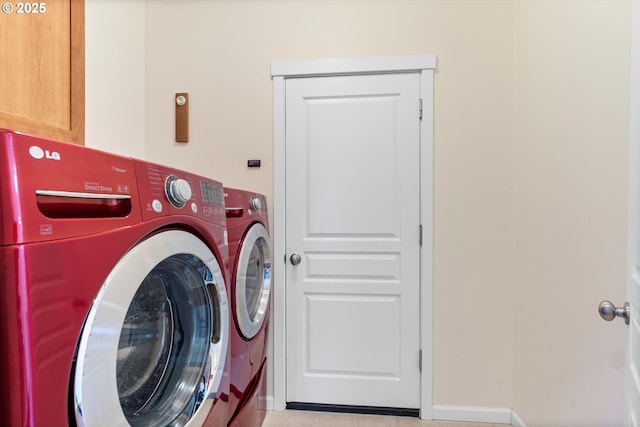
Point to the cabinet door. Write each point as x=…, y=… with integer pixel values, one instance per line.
x=42, y=68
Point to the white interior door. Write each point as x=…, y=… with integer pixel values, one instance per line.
x=353, y=233
x=632, y=311
x=632, y=391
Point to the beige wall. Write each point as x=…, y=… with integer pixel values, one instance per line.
x=221, y=52
x=530, y=166
x=115, y=75
x=571, y=123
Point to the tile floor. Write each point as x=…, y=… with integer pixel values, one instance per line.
x=325, y=419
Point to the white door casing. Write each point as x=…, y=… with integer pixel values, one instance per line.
x=285, y=76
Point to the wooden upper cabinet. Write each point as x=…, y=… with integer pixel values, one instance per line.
x=42, y=69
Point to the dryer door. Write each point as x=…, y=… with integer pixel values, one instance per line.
x=253, y=280
x=154, y=344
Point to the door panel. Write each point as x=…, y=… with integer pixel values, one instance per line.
x=347, y=349
x=352, y=214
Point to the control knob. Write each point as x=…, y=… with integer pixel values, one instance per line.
x=256, y=203
x=178, y=191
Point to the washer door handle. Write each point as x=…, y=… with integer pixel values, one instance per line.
x=295, y=259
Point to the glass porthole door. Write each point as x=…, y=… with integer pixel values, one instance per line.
x=153, y=348
x=253, y=281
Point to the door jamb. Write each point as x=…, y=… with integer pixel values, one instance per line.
x=282, y=70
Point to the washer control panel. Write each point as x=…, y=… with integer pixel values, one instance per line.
x=167, y=191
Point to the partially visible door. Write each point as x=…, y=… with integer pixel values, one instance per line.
x=632, y=309
x=353, y=240
x=632, y=394
x=632, y=374
x=42, y=68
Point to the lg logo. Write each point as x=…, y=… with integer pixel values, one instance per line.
x=38, y=153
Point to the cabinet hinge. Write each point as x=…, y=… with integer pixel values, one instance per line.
x=284, y=258
x=420, y=106
x=420, y=360
x=419, y=237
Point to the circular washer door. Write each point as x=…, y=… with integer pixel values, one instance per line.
x=154, y=344
x=253, y=281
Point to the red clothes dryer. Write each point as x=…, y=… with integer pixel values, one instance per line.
x=250, y=278
x=113, y=304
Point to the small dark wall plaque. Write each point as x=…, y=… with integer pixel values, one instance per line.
x=253, y=163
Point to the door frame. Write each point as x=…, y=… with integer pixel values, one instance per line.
x=282, y=70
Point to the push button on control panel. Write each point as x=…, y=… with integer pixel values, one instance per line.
x=156, y=205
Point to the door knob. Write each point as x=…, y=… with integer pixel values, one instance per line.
x=608, y=311
x=295, y=259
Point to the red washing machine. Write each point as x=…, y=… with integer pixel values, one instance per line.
x=113, y=304
x=250, y=278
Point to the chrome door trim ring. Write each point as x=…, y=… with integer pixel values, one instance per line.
x=248, y=327
x=96, y=401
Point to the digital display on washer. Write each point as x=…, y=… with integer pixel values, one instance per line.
x=212, y=194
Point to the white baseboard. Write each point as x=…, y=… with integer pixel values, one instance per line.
x=268, y=403
x=516, y=421
x=472, y=414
